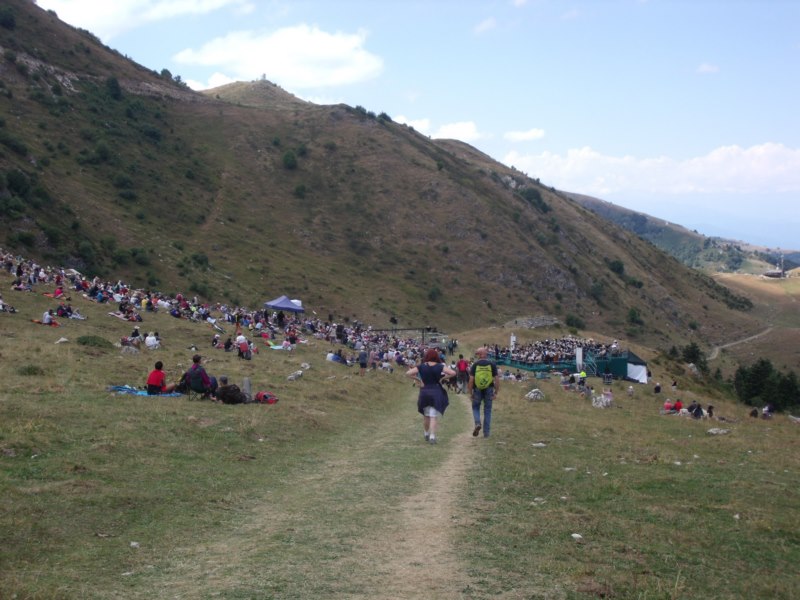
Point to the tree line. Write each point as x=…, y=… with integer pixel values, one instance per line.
x=762, y=384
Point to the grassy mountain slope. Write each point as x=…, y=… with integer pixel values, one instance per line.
x=246, y=192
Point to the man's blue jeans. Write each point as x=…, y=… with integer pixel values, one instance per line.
x=486, y=396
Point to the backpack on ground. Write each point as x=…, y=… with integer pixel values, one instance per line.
x=483, y=376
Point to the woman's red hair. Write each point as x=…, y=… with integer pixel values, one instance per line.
x=432, y=355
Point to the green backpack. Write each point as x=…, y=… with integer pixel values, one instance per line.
x=483, y=376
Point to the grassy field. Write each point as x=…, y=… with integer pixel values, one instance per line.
x=332, y=492
x=777, y=305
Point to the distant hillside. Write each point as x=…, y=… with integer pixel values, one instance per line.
x=693, y=249
x=245, y=192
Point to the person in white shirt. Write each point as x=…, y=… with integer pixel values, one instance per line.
x=151, y=341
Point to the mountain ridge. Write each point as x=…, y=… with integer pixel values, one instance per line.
x=711, y=253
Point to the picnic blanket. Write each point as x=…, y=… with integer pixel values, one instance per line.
x=129, y=389
x=39, y=322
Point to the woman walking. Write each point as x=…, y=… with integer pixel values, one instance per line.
x=433, y=400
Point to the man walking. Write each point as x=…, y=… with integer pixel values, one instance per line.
x=483, y=387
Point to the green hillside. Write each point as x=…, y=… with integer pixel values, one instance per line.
x=245, y=192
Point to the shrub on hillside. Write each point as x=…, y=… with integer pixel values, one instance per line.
x=140, y=256
x=18, y=183
x=7, y=18
x=122, y=181
x=13, y=144
x=576, y=322
x=11, y=207
x=30, y=370
x=534, y=197
x=95, y=341
x=200, y=259
x=635, y=317
x=692, y=354
x=21, y=238
x=616, y=266
x=201, y=288
x=289, y=160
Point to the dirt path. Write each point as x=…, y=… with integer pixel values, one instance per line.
x=419, y=548
x=371, y=516
x=715, y=352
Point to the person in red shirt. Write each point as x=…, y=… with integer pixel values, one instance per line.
x=462, y=374
x=157, y=381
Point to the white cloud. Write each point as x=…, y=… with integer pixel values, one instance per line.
x=466, y=131
x=298, y=57
x=321, y=99
x=707, y=69
x=216, y=80
x=519, y=3
x=485, y=25
x=524, y=136
x=109, y=19
x=571, y=14
x=421, y=125
x=761, y=169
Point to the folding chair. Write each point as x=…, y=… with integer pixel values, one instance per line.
x=185, y=387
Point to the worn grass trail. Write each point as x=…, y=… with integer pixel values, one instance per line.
x=369, y=513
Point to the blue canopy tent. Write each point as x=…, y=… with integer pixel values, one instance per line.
x=285, y=304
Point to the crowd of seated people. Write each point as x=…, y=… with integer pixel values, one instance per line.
x=550, y=351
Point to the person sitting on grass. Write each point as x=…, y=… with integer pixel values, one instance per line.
x=198, y=380
x=152, y=342
x=157, y=381
x=5, y=307
x=48, y=319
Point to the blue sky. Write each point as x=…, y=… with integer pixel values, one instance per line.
x=683, y=109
